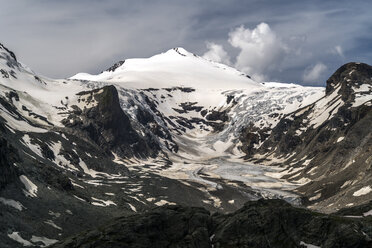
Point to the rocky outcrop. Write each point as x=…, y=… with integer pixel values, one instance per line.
x=115, y=66
x=263, y=223
x=8, y=156
x=8, y=51
x=11, y=62
x=348, y=76
x=107, y=125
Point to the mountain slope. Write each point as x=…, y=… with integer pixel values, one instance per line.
x=328, y=143
x=175, y=67
x=77, y=152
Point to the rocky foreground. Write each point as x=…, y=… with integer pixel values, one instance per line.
x=262, y=223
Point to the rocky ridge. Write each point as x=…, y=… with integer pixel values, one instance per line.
x=328, y=143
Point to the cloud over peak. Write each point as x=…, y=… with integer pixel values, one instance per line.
x=260, y=50
x=216, y=53
x=313, y=74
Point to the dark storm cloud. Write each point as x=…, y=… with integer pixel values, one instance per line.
x=60, y=38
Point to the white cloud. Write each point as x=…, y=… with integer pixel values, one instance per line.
x=261, y=50
x=216, y=53
x=338, y=51
x=312, y=74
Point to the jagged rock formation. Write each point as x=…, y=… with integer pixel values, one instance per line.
x=263, y=223
x=115, y=66
x=8, y=156
x=106, y=124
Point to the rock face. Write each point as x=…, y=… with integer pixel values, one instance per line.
x=349, y=76
x=115, y=66
x=8, y=156
x=264, y=223
x=12, y=55
x=106, y=124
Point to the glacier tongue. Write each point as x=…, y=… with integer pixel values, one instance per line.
x=207, y=155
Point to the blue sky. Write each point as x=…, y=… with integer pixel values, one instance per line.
x=288, y=41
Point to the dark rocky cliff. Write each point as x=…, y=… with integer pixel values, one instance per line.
x=107, y=125
x=8, y=156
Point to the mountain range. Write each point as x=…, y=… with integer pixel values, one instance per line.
x=179, y=151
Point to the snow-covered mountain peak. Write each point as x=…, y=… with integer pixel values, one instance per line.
x=177, y=51
x=182, y=51
x=173, y=68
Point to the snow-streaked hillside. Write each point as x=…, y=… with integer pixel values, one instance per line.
x=198, y=107
x=186, y=89
x=144, y=130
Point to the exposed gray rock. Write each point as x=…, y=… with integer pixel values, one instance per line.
x=8, y=156
x=107, y=125
x=115, y=66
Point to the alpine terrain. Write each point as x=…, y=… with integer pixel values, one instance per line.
x=179, y=151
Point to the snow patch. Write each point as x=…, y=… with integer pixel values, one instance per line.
x=33, y=147
x=102, y=203
x=164, y=202
x=17, y=237
x=316, y=197
x=307, y=162
x=369, y=213
x=363, y=191
x=45, y=241
x=81, y=199
x=132, y=207
x=308, y=245
x=51, y=223
x=60, y=160
x=347, y=183
x=12, y=203
x=31, y=188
